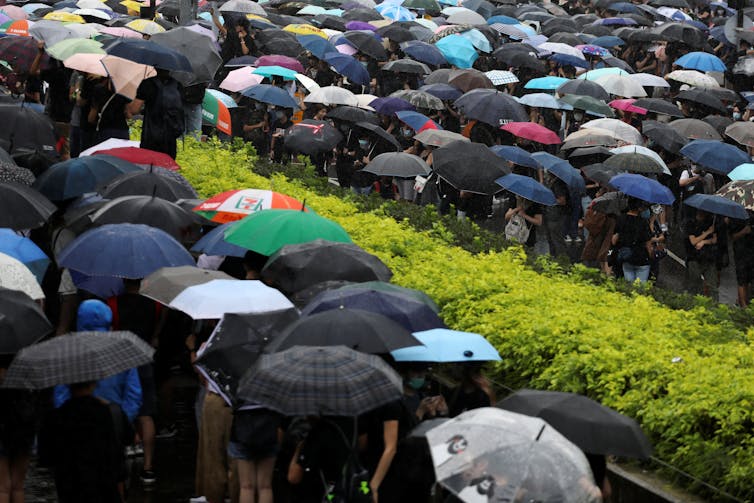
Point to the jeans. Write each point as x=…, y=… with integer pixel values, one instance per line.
x=193, y=118
x=633, y=272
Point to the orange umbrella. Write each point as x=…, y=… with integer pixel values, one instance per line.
x=237, y=204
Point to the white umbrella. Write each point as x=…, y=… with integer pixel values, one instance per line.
x=87, y=30
x=243, y=7
x=332, y=95
x=692, y=78
x=211, y=300
x=14, y=275
x=108, y=144
x=560, y=48
x=621, y=85
x=649, y=80
x=99, y=14
x=364, y=100
x=637, y=149
x=467, y=16
x=621, y=130
x=308, y=83
x=500, y=77
x=91, y=4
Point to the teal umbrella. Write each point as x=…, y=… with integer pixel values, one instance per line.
x=275, y=71
x=742, y=172
x=458, y=50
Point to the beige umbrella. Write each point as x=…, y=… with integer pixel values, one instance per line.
x=742, y=132
x=14, y=275
x=692, y=78
x=590, y=137
x=621, y=130
x=126, y=75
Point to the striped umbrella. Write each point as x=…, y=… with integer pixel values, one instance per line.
x=216, y=110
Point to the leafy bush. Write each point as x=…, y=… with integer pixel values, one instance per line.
x=687, y=375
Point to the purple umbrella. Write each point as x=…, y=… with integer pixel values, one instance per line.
x=359, y=25
x=389, y=105
x=279, y=60
x=593, y=50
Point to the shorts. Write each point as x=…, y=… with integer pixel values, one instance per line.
x=254, y=435
x=148, y=391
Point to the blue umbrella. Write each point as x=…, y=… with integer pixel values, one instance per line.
x=316, y=45
x=742, y=172
x=149, y=53
x=457, y=50
x=213, y=243
x=123, y=250
x=625, y=7
x=395, y=12
x=702, y=61
x=569, y=175
x=516, y=155
x=74, y=177
x=528, y=188
x=390, y=105
x=548, y=83
x=715, y=155
x=415, y=120
x=103, y=287
x=409, y=312
x=548, y=160
x=424, y=52
x=25, y=251
x=712, y=203
x=608, y=41
x=502, y=20
x=643, y=188
x=442, y=345
x=568, y=59
x=616, y=21
x=477, y=39
x=266, y=93
x=445, y=92
x=349, y=67
x=543, y=100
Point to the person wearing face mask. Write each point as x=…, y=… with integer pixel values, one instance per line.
x=576, y=119
x=633, y=241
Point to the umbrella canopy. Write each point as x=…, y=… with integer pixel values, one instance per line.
x=380, y=134
x=211, y=300
x=213, y=243
x=469, y=79
x=390, y=105
x=528, y=188
x=439, y=138
x=471, y=167
x=267, y=231
x=123, y=250
x=398, y=164
x=741, y=192
x=588, y=104
x=491, y=107
x=327, y=381
x=627, y=105
x=594, y=428
x=718, y=205
x=406, y=66
x=216, y=110
x=664, y=136
x=200, y=51
x=240, y=79
x=417, y=121
x=621, y=85
x=234, y=205
x=701, y=61
x=141, y=156
x=68, y=47
x=634, y=162
x=298, y=266
x=22, y=207
x=312, y=136
x=22, y=322
x=282, y=61
x=352, y=114
x=693, y=78
x=25, y=130
x=149, y=210
x=234, y=346
x=516, y=155
x=332, y=95
x=145, y=183
x=580, y=87
x=695, y=129
x=420, y=99
x=532, y=131
x=443, y=345
x=424, y=52
x=271, y=95
x=20, y=52
x=643, y=188
x=74, y=177
x=549, y=83
x=457, y=50
x=366, y=43
x=702, y=97
x=76, y=358
x=542, y=100
x=365, y=331
x=243, y=7
x=349, y=67
x=25, y=251
x=442, y=91
x=715, y=155
x=150, y=53
x=14, y=275
x=742, y=172
x=166, y=283
x=742, y=132
x=525, y=454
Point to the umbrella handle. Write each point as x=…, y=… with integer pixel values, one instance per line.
x=540, y=433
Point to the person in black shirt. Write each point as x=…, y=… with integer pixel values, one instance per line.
x=633, y=240
x=474, y=391
x=741, y=236
x=701, y=255
x=110, y=110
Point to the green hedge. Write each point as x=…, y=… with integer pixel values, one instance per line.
x=686, y=375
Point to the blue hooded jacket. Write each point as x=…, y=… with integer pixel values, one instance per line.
x=123, y=389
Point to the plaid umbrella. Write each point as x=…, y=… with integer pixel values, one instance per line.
x=76, y=358
x=326, y=381
x=741, y=191
x=20, y=52
x=500, y=77
x=22, y=323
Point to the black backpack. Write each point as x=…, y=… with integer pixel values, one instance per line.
x=166, y=119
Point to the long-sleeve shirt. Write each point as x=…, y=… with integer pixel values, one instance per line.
x=123, y=389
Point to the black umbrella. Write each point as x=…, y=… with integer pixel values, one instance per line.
x=695, y=129
x=320, y=381
x=559, y=25
x=364, y=331
x=470, y=167
x=398, y=164
x=22, y=207
x=594, y=428
x=380, y=133
x=311, y=137
x=702, y=97
x=366, y=44
x=597, y=30
x=590, y=152
x=406, y=66
x=353, y=114
x=519, y=58
x=612, y=203
x=491, y=107
x=439, y=76
x=330, y=21
x=566, y=38
x=600, y=173
x=664, y=136
x=166, y=283
x=23, y=128
x=22, y=321
x=681, y=32
x=396, y=33
x=145, y=183
x=581, y=87
x=659, y=106
x=635, y=163
x=76, y=358
x=296, y=267
x=466, y=80
x=362, y=14
x=236, y=343
x=149, y=210
x=287, y=45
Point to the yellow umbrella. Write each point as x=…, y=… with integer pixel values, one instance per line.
x=64, y=17
x=132, y=6
x=255, y=16
x=145, y=26
x=305, y=29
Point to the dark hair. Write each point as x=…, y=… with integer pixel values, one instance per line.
x=636, y=204
x=254, y=261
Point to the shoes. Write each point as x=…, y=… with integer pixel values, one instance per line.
x=130, y=451
x=200, y=499
x=568, y=239
x=148, y=477
x=167, y=432
x=135, y=451
x=578, y=240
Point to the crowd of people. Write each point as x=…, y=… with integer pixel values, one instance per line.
x=508, y=111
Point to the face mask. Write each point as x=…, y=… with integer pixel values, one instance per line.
x=645, y=214
x=363, y=144
x=736, y=116
x=406, y=132
x=364, y=63
x=416, y=383
x=578, y=116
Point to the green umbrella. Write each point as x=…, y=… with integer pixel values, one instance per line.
x=267, y=231
x=588, y=104
x=67, y=48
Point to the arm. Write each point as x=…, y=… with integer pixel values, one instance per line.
x=34, y=69
x=134, y=107
x=390, y=437
x=131, y=394
x=295, y=470
x=743, y=232
x=704, y=237
x=688, y=180
x=534, y=220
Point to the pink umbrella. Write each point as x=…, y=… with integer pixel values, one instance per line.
x=121, y=31
x=284, y=61
x=532, y=131
x=240, y=79
x=346, y=49
x=14, y=12
x=126, y=75
x=627, y=105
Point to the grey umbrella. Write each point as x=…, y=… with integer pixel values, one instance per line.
x=407, y=66
x=327, y=381
x=420, y=99
x=199, y=49
x=398, y=164
x=76, y=358
x=167, y=283
x=695, y=129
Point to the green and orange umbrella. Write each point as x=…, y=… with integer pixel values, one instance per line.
x=216, y=110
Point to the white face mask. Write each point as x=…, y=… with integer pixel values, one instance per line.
x=578, y=116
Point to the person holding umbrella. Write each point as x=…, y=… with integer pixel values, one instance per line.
x=702, y=275
x=531, y=214
x=164, y=120
x=633, y=241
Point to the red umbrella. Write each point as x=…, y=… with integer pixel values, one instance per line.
x=278, y=60
x=142, y=157
x=532, y=131
x=627, y=105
